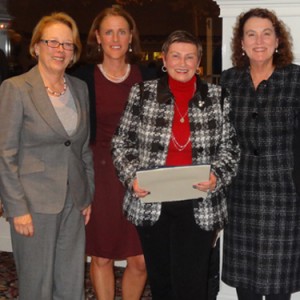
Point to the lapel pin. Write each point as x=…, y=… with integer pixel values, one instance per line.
x=201, y=103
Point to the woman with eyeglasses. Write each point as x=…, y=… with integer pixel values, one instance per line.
x=46, y=169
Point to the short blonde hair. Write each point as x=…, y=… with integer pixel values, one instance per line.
x=56, y=17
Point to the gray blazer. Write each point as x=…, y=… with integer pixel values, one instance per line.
x=39, y=161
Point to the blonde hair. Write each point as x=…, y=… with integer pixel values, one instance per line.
x=56, y=17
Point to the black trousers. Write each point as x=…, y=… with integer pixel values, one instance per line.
x=245, y=294
x=177, y=254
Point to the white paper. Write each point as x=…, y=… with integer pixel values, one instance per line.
x=173, y=183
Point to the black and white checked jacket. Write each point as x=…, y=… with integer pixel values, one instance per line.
x=143, y=136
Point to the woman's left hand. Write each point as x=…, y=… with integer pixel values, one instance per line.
x=139, y=192
x=209, y=185
x=87, y=214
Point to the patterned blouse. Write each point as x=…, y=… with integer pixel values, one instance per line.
x=143, y=137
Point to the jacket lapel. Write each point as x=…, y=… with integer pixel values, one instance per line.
x=42, y=102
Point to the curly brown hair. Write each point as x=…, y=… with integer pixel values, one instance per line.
x=284, y=56
x=93, y=55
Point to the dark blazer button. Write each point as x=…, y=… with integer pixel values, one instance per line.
x=68, y=143
x=255, y=152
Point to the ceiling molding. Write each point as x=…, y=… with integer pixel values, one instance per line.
x=232, y=8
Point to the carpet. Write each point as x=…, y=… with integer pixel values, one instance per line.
x=9, y=289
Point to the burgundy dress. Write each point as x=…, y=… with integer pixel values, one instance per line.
x=109, y=234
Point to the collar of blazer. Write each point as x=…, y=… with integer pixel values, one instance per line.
x=42, y=104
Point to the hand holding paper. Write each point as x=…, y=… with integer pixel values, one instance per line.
x=173, y=183
x=207, y=185
x=140, y=192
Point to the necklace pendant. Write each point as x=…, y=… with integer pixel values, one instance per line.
x=181, y=120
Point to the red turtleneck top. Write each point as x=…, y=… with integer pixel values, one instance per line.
x=182, y=92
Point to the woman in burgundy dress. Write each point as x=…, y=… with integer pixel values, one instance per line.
x=113, y=45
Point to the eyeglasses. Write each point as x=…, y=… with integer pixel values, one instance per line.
x=56, y=44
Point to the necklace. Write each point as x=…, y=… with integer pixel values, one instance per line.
x=177, y=145
x=112, y=78
x=57, y=94
x=181, y=116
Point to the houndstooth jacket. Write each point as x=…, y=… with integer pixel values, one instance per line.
x=142, y=139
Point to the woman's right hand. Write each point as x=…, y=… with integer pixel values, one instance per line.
x=139, y=192
x=23, y=225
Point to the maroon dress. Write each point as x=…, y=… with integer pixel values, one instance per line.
x=109, y=234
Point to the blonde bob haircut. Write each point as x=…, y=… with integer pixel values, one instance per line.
x=56, y=17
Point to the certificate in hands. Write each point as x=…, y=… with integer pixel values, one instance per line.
x=173, y=183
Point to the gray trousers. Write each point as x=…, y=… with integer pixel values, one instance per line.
x=50, y=265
